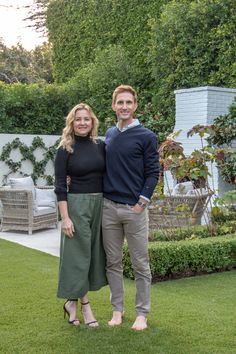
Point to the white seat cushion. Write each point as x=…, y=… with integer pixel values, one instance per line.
x=198, y=191
x=44, y=211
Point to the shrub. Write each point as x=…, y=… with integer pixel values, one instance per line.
x=192, y=44
x=33, y=109
x=95, y=82
x=188, y=257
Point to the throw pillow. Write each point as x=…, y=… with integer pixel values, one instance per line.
x=45, y=197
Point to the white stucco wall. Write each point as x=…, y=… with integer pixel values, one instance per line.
x=26, y=167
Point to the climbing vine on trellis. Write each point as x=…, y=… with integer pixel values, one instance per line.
x=27, y=153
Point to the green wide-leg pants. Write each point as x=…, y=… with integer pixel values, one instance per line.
x=82, y=257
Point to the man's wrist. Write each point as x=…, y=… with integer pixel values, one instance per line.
x=142, y=204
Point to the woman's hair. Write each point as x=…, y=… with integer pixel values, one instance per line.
x=124, y=88
x=68, y=135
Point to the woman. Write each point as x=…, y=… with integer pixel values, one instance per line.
x=82, y=259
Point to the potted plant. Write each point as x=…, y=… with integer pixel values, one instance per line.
x=169, y=211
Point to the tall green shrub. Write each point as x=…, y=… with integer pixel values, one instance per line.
x=32, y=109
x=192, y=44
x=77, y=28
x=95, y=82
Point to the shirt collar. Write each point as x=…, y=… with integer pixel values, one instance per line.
x=131, y=125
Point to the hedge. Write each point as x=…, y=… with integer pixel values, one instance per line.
x=41, y=109
x=33, y=109
x=176, y=259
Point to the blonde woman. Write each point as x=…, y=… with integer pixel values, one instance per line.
x=82, y=259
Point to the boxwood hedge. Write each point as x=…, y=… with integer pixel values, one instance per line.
x=175, y=259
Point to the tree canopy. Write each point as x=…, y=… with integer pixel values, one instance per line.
x=77, y=28
x=20, y=65
x=169, y=44
x=193, y=44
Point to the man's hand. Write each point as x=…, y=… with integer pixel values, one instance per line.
x=137, y=209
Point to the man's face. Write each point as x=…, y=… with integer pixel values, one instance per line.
x=125, y=106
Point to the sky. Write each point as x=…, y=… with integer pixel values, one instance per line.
x=12, y=26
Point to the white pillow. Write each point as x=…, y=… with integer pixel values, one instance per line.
x=21, y=183
x=45, y=197
x=182, y=188
x=24, y=183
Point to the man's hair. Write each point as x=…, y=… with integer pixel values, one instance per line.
x=124, y=88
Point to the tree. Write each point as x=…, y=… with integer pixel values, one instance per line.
x=19, y=65
x=77, y=28
x=42, y=62
x=193, y=44
x=95, y=82
x=37, y=15
x=15, y=64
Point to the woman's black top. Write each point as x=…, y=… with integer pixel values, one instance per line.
x=85, y=167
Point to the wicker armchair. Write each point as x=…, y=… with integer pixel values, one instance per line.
x=19, y=211
x=177, y=211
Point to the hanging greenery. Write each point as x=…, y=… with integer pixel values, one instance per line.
x=223, y=137
x=27, y=153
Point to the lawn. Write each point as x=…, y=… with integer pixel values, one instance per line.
x=189, y=316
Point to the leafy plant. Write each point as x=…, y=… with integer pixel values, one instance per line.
x=193, y=167
x=224, y=128
x=27, y=153
x=226, y=161
x=225, y=208
x=155, y=121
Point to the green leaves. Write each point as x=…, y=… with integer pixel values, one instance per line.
x=33, y=109
x=192, y=44
x=19, y=65
x=224, y=128
x=27, y=153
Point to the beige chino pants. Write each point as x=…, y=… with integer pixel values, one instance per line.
x=120, y=221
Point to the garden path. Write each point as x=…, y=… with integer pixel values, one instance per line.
x=47, y=241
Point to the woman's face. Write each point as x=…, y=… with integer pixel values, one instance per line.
x=83, y=123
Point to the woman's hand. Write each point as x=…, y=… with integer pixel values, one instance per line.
x=68, y=227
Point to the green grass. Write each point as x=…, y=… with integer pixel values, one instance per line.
x=189, y=316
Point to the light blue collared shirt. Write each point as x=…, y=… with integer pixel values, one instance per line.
x=131, y=125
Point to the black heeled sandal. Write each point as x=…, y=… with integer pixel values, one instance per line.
x=91, y=323
x=66, y=312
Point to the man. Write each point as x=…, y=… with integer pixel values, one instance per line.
x=132, y=169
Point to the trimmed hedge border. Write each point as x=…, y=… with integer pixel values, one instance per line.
x=178, y=259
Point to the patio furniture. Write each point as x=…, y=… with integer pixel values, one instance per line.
x=22, y=210
x=177, y=210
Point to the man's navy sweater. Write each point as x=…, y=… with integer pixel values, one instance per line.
x=132, y=164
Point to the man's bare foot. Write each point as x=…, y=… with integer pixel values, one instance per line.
x=140, y=323
x=116, y=319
